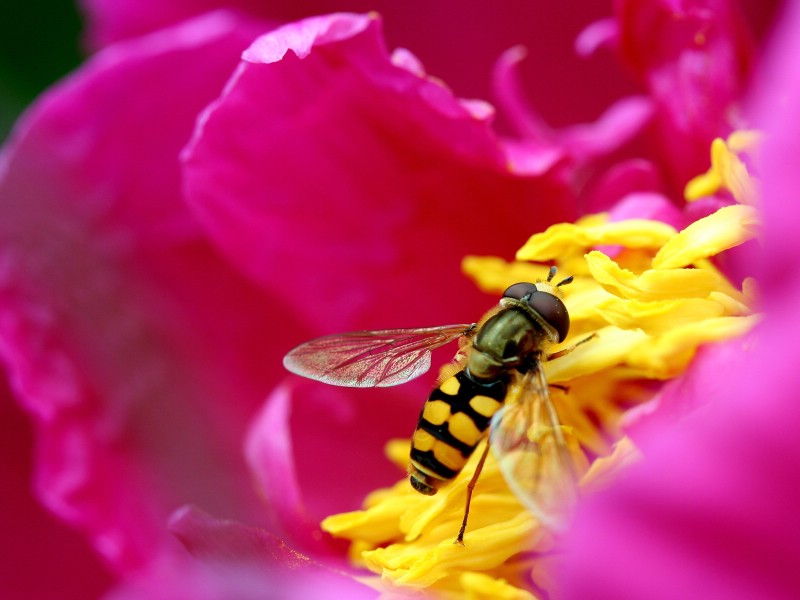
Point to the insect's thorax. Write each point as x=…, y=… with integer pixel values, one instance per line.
x=509, y=339
x=458, y=412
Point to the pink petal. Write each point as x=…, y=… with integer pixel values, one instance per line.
x=316, y=450
x=615, y=127
x=137, y=350
x=622, y=178
x=648, y=205
x=224, y=560
x=237, y=561
x=618, y=125
x=459, y=46
x=111, y=21
x=712, y=510
x=644, y=205
x=694, y=58
x=338, y=180
x=508, y=90
x=34, y=542
x=599, y=34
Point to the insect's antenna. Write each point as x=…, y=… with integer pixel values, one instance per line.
x=551, y=274
x=565, y=281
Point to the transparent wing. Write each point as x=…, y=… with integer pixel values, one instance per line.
x=532, y=453
x=371, y=358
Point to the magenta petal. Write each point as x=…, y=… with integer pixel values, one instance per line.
x=214, y=540
x=270, y=454
x=644, y=205
x=507, y=89
x=316, y=450
x=599, y=34
x=111, y=21
x=648, y=205
x=351, y=186
x=615, y=127
x=694, y=58
x=225, y=560
x=138, y=351
x=623, y=178
x=34, y=542
x=249, y=562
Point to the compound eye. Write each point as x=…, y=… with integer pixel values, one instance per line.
x=552, y=311
x=519, y=290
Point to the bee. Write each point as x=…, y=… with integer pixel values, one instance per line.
x=496, y=383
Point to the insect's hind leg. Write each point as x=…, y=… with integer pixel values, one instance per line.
x=470, y=488
x=566, y=351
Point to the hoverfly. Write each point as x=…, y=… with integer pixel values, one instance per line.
x=498, y=384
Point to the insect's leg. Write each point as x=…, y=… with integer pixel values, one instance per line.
x=566, y=351
x=470, y=487
x=558, y=386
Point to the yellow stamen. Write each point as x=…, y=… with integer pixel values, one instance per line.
x=728, y=171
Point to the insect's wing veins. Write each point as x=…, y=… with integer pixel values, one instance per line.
x=371, y=358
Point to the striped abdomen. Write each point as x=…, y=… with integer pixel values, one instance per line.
x=453, y=421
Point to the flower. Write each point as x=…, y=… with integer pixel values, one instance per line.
x=193, y=201
x=640, y=324
x=135, y=343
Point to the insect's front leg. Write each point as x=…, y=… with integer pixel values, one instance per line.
x=569, y=349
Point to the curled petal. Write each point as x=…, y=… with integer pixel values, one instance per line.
x=624, y=178
x=597, y=35
x=508, y=91
x=615, y=127
x=366, y=176
x=315, y=448
x=620, y=123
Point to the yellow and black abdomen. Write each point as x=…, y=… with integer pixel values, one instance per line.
x=454, y=419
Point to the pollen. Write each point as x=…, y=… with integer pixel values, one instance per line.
x=645, y=298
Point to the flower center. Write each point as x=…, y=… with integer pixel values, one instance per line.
x=650, y=299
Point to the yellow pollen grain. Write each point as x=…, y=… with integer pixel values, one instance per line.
x=484, y=406
x=436, y=412
x=450, y=386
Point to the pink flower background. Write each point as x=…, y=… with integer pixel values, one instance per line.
x=208, y=190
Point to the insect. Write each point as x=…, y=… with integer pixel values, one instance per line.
x=497, y=384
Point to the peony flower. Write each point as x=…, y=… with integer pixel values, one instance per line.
x=198, y=198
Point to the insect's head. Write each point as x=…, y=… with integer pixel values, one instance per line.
x=542, y=301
